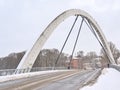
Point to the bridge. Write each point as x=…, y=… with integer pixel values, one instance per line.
x=57, y=78
x=30, y=57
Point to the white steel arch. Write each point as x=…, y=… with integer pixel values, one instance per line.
x=30, y=57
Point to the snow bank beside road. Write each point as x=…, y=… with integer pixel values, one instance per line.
x=108, y=80
x=26, y=75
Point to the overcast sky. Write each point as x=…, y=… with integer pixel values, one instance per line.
x=22, y=21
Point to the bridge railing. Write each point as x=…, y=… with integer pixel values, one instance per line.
x=115, y=67
x=5, y=72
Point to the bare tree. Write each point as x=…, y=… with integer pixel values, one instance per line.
x=91, y=55
x=48, y=57
x=114, y=50
x=80, y=54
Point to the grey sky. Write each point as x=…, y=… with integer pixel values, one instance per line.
x=22, y=21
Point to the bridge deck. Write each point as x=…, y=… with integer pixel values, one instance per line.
x=69, y=80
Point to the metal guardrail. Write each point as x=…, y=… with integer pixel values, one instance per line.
x=115, y=67
x=5, y=72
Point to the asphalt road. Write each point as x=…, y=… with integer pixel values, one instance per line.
x=68, y=80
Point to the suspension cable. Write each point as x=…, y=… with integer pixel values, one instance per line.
x=76, y=42
x=66, y=40
x=92, y=30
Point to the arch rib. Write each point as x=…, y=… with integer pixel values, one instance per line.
x=30, y=57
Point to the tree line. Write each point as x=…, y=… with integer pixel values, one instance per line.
x=48, y=57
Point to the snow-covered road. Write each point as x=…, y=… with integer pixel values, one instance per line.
x=108, y=80
x=57, y=80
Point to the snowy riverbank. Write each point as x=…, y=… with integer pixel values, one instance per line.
x=108, y=80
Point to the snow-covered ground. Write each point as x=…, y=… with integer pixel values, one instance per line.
x=26, y=75
x=108, y=80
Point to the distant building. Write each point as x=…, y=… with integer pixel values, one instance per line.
x=84, y=63
x=75, y=63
